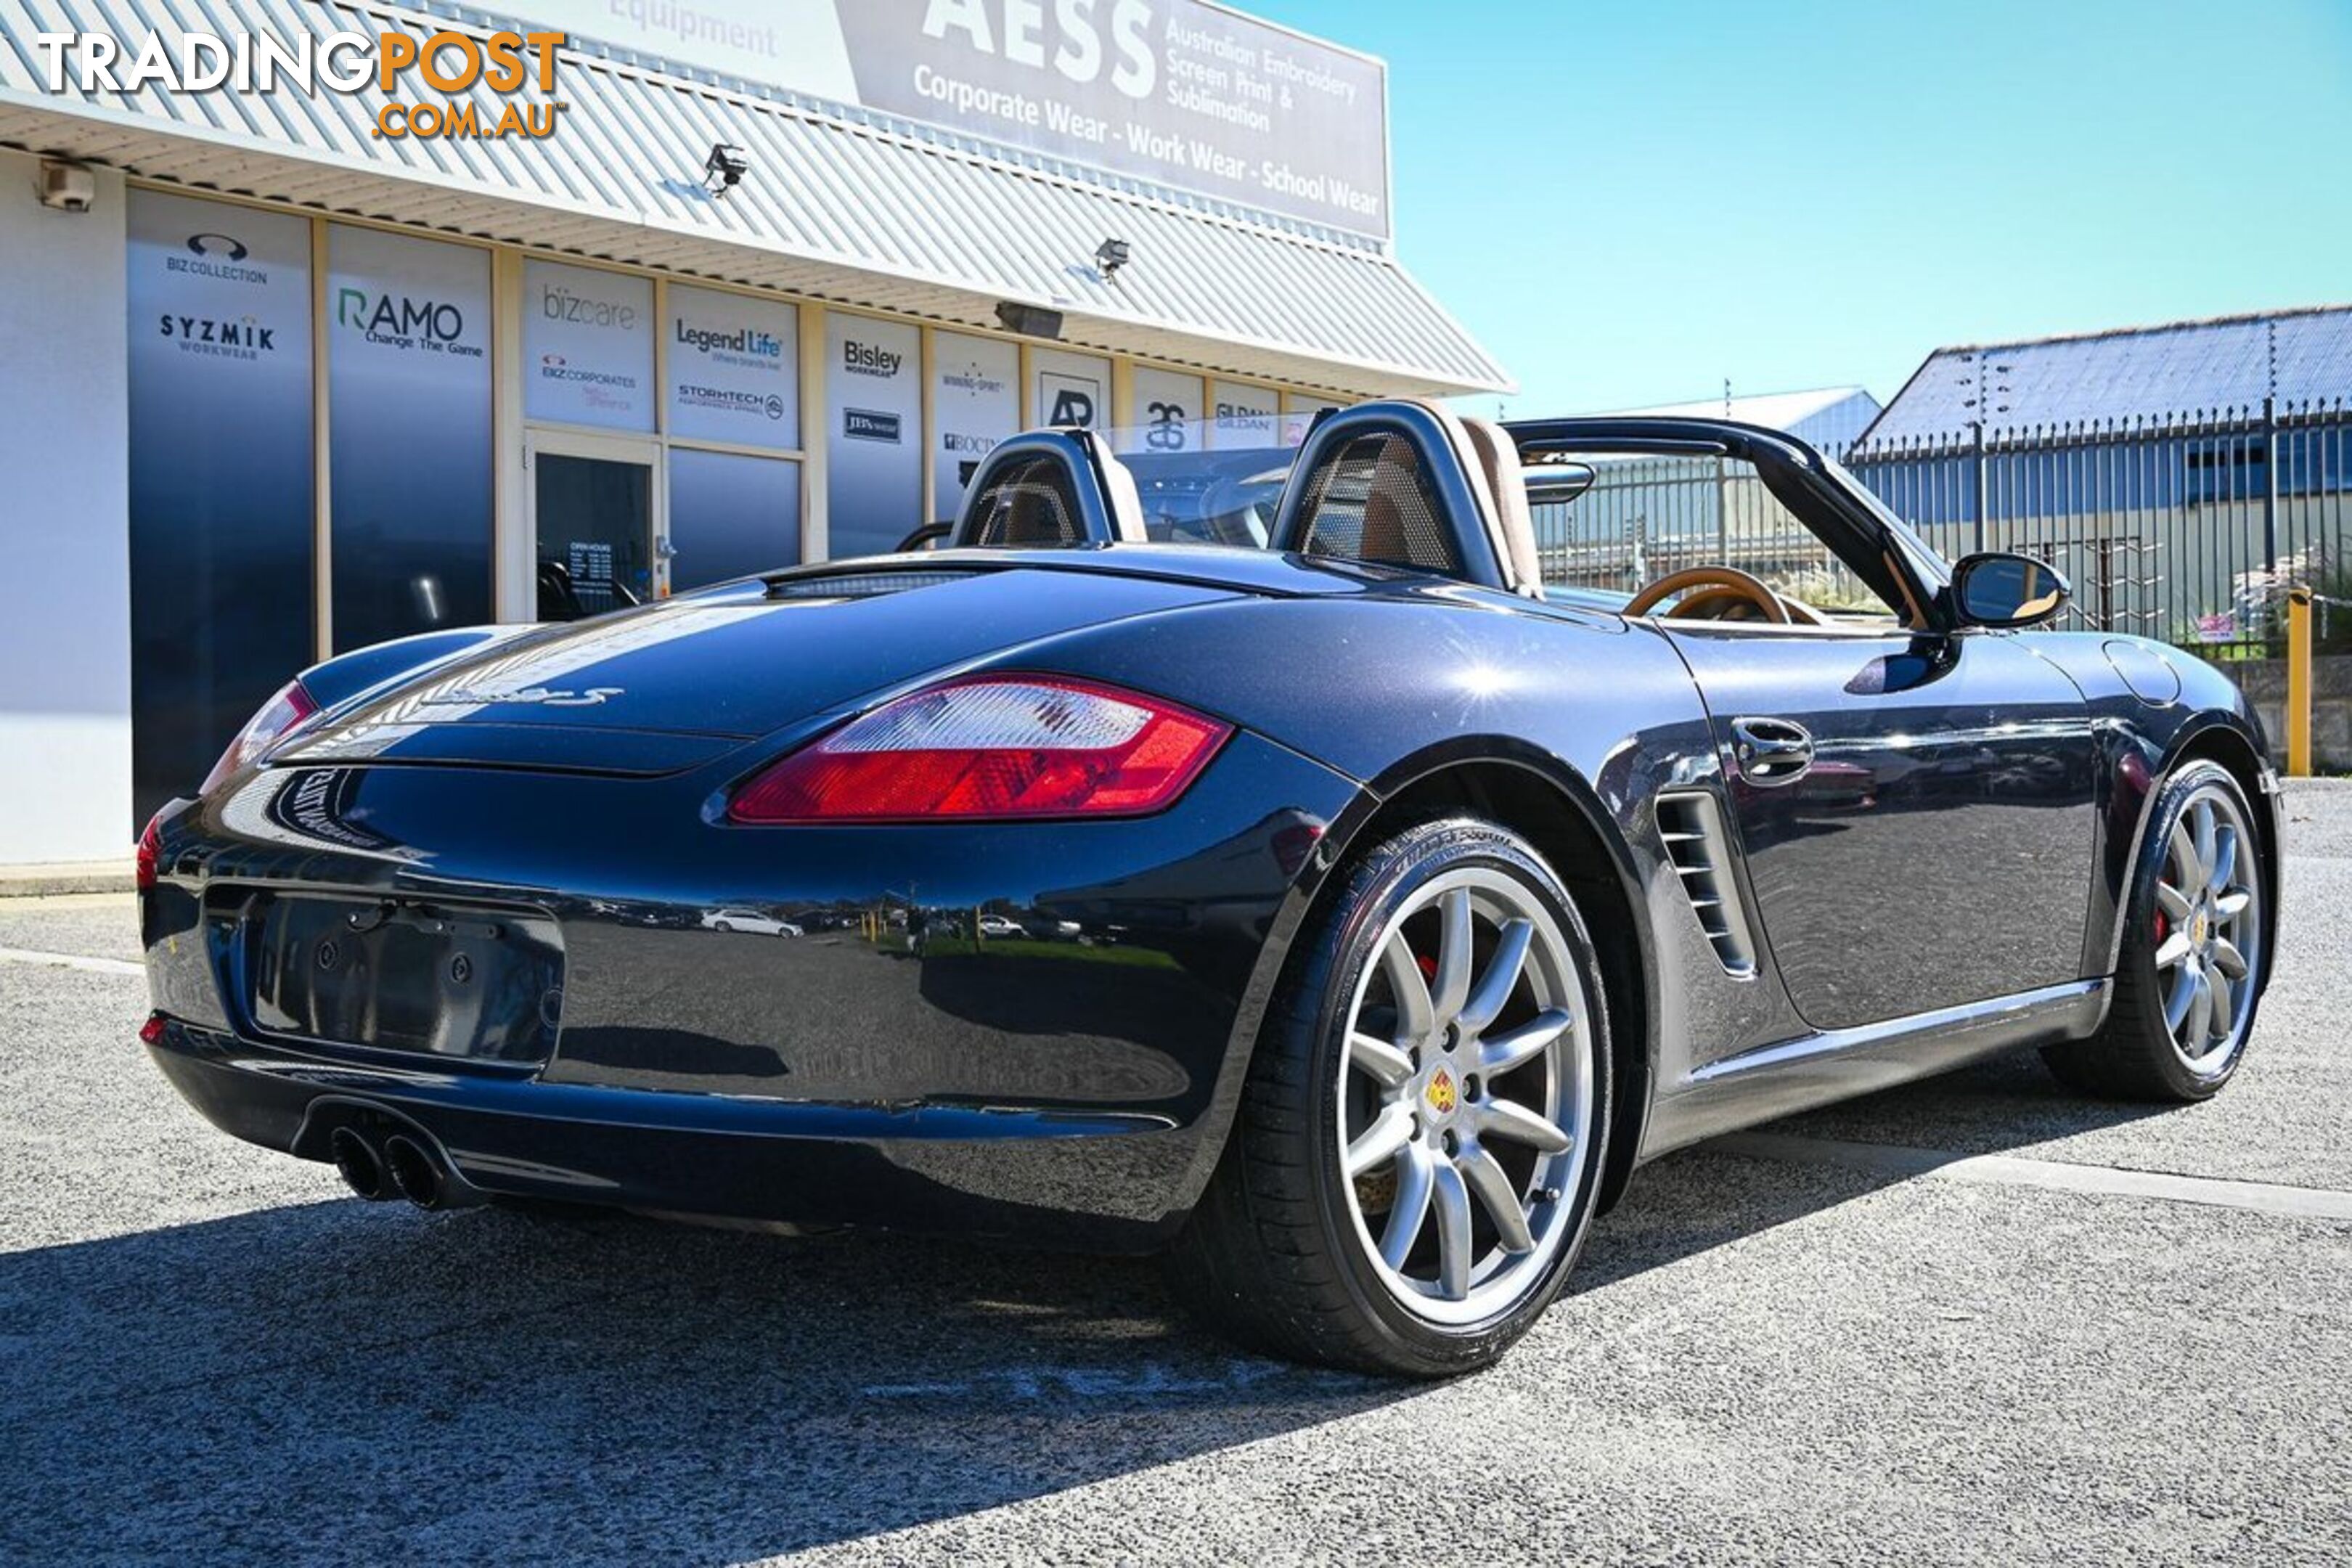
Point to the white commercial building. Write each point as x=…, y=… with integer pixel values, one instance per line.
x=327, y=322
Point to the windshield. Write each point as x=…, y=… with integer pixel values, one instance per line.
x=1206, y=481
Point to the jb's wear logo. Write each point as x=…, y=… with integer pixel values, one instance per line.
x=389, y=64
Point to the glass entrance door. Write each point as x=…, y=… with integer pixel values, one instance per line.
x=596, y=524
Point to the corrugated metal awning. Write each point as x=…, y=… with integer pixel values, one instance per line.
x=838, y=205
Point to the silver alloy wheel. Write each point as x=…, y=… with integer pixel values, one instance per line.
x=1465, y=1102
x=2209, y=930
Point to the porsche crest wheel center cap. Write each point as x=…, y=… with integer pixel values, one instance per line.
x=1442, y=1094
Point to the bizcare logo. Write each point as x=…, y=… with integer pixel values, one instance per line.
x=870, y=359
x=744, y=343
x=215, y=255
x=401, y=322
x=249, y=64
x=558, y=304
x=727, y=401
x=219, y=336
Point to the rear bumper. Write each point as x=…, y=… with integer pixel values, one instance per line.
x=1104, y=1180
x=892, y=1064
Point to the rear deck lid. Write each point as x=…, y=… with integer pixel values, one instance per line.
x=676, y=684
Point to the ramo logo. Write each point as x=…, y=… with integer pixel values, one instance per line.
x=403, y=322
x=217, y=245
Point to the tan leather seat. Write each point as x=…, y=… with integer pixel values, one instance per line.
x=1384, y=538
x=1506, y=481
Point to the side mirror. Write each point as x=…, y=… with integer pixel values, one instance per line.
x=1999, y=589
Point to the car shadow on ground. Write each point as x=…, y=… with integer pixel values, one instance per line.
x=335, y=1380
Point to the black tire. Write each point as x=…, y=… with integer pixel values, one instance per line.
x=2134, y=1055
x=1273, y=1255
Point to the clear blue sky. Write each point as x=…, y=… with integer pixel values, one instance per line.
x=1627, y=203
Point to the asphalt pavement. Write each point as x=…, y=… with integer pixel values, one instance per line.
x=1972, y=1320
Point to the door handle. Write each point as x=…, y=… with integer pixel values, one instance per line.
x=1770, y=751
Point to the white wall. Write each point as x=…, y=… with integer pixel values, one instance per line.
x=64, y=569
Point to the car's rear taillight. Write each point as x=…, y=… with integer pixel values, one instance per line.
x=149, y=854
x=283, y=714
x=992, y=746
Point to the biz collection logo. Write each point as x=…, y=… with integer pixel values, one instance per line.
x=448, y=61
x=217, y=255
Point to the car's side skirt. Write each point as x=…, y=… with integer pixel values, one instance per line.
x=1796, y=1075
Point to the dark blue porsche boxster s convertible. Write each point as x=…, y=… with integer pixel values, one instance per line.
x=1256, y=863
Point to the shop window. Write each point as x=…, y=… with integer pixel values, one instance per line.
x=730, y=515
x=587, y=347
x=222, y=510
x=408, y=439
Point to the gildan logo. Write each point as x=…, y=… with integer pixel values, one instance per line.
x=217, y=245
x=868, y=359
x=434, y=326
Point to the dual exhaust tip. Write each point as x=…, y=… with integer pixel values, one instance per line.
x=401, y=1165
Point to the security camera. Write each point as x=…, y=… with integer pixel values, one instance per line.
x=724, y=169
x=67, y=187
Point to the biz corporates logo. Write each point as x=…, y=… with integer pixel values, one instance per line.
x=400, y=69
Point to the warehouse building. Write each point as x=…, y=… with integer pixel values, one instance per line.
x=330, y=321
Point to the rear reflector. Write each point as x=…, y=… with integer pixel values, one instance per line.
x=991, y=747
x=150, y=1033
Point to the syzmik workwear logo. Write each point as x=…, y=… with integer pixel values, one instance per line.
x=393, y=65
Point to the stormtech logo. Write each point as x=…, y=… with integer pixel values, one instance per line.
x=727, y=401
x=402, y=323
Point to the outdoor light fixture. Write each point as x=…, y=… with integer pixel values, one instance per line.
x=1110, y=256
x=1029, y=321
x=724, y=169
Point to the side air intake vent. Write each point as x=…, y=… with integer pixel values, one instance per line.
x=1692, y=825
